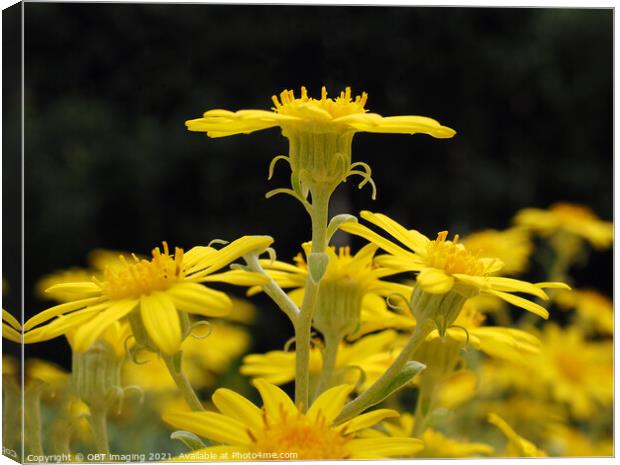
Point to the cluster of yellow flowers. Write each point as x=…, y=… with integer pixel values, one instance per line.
x=418, y=351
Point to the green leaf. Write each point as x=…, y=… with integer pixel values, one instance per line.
x=338, y=221
x=192, y=441
x=410, y=369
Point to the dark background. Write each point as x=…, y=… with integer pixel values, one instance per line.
x=110, y=164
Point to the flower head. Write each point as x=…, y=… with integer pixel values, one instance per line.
x=351, y=284
x=281, y=428
x=512, y=246
x=573, y=219
x=446, y=266
x=320, y=132
x=155, y=295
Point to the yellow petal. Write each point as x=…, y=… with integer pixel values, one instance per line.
x=329, y=404
x=200, y=300
x=81, y=290
x=236, y=406
x=400, y=263
x=161, y=321
x=237, y=277
x=11, y=334
x=435, y=281
x=375, y=448
x=367, y=420
x=275, y=401
x=521, y=302
x=413, y=239
x=210, y=425
x=61, y=325
x=59, y=310
x=233, y=251
x=371, y=236
x=11, y=320
x=553, y=285
x=89, y=332
x=516, y=285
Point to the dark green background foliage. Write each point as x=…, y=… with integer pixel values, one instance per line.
x=110, y=164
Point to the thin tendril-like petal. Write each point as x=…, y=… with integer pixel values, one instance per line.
x=367, y=178
x=290, y=192
x=274, y=162
x=466, y=333
x=197, y=324
x=217, y=241
x=388, y=301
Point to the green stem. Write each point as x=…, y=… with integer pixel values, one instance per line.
x=98, y=420
x=303, y=323
x=424, y=406
x=183, y=384
x=330, y=354
x=32, y=418
x=359, y=404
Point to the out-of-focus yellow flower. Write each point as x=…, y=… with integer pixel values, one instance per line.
x=444, y=266
x=456, y=390
x=350, y=286
x=517, y=446
x=576, y=220
x=566, y=441
x=594, y=310
x=151, y=294
x=242, y=311
x=578, y=372
x=203, y=360
x=512, y=246
x=320, y=134
x=371, y=355
x=436, y=444
x=11, y=328
x=281, y=429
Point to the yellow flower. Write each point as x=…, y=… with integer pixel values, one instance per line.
x=594, y=310
x=320, y=133
x=155, y=295
x=512, y=246
x=350, y=287
x=444, y=266
x=203, y=360
x=371, y=355
x=570, y=442
x=11, y=328
x=576, y=220
x=578, y=372
x=517, y=445
x=436, y=444
x=280, y=430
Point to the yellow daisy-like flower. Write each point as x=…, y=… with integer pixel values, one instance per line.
x=577, y=372
x=320, y=133
x=518, y=446
x=576, y=220
x=11, y=328
x=280, y=429
x=351, y=286
x=595, y=311
x=445, y=266
x=371, y=354
x=153, y=294
x=512, y=246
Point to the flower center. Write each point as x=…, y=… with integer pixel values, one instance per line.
x=453, y=257
x=325, y=108
x=307, y=439
x=143, y=276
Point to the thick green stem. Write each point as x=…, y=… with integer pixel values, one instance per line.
x=183, y=384
x=330, y=354
x=359, y=404
x=303, y=324
x=98, y=420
